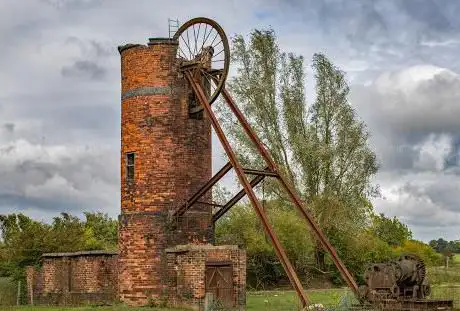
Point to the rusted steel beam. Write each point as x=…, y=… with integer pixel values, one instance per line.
x=210, y=204
x=259, y=172
x=211, y=182
x=294, y=197
x=235, y=199
x=249, y=191
x=321, y=236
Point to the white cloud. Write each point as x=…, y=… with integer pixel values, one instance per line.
x=433, y=152
x=434, y=43
x=54, y=186
x=426, y=201
x=58, y=177
x=16, y=152
x=408, y=80
x=415, y=100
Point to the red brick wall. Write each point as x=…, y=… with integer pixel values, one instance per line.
x=186, y=273
x=74, y=279
x=172, y=161
x=173, y=151
x=92, y=274
x=54, y=271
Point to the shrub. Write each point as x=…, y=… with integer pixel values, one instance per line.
x=424, y=251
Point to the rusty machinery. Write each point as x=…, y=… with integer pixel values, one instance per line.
x=397, y=279
x=204, y=56
x=400, y=284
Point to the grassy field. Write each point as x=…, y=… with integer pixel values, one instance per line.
x=269, y=301
x=446, y=281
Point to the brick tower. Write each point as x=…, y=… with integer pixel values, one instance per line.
x=165, y=158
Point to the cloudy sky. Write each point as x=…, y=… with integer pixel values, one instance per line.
x=60, y=94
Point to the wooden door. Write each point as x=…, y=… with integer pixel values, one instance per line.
x=219, y=282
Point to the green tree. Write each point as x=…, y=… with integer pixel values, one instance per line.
x=322, y=149
x=242, y=227
x=100, y=231
x=454, y=246
x=24, y=240
x=424, y=251
x=390, y=230
x=4, y=268
x=441, y=246
x=67, y=234
x=359, y=250
x=433, y=244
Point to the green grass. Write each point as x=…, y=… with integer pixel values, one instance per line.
x=443, y=275
x=264, y=300
x=447, y=291
x=287, y=300
x=115, y=308
x=267, y=301
x=446, y=281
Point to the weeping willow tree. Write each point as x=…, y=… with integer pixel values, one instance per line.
x=322, y=148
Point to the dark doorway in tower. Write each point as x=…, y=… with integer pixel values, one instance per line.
x=219, y=282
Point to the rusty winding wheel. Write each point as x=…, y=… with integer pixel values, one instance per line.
x=204, y=51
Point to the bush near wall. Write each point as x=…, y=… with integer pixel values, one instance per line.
x=8, y=292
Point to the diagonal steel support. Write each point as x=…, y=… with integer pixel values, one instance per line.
x=249, y=191
x=292, y=193
x=210, y=204
x=224, y=209
x=259, y=172
x=214, y=179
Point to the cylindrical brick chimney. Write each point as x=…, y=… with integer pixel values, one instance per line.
x=165, y=158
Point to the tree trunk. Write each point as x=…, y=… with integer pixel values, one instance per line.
x=320, y=256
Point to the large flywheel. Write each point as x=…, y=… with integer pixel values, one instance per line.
x=204, y=51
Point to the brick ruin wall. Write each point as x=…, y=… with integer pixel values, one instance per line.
x=73, y=279
x=187, y=281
